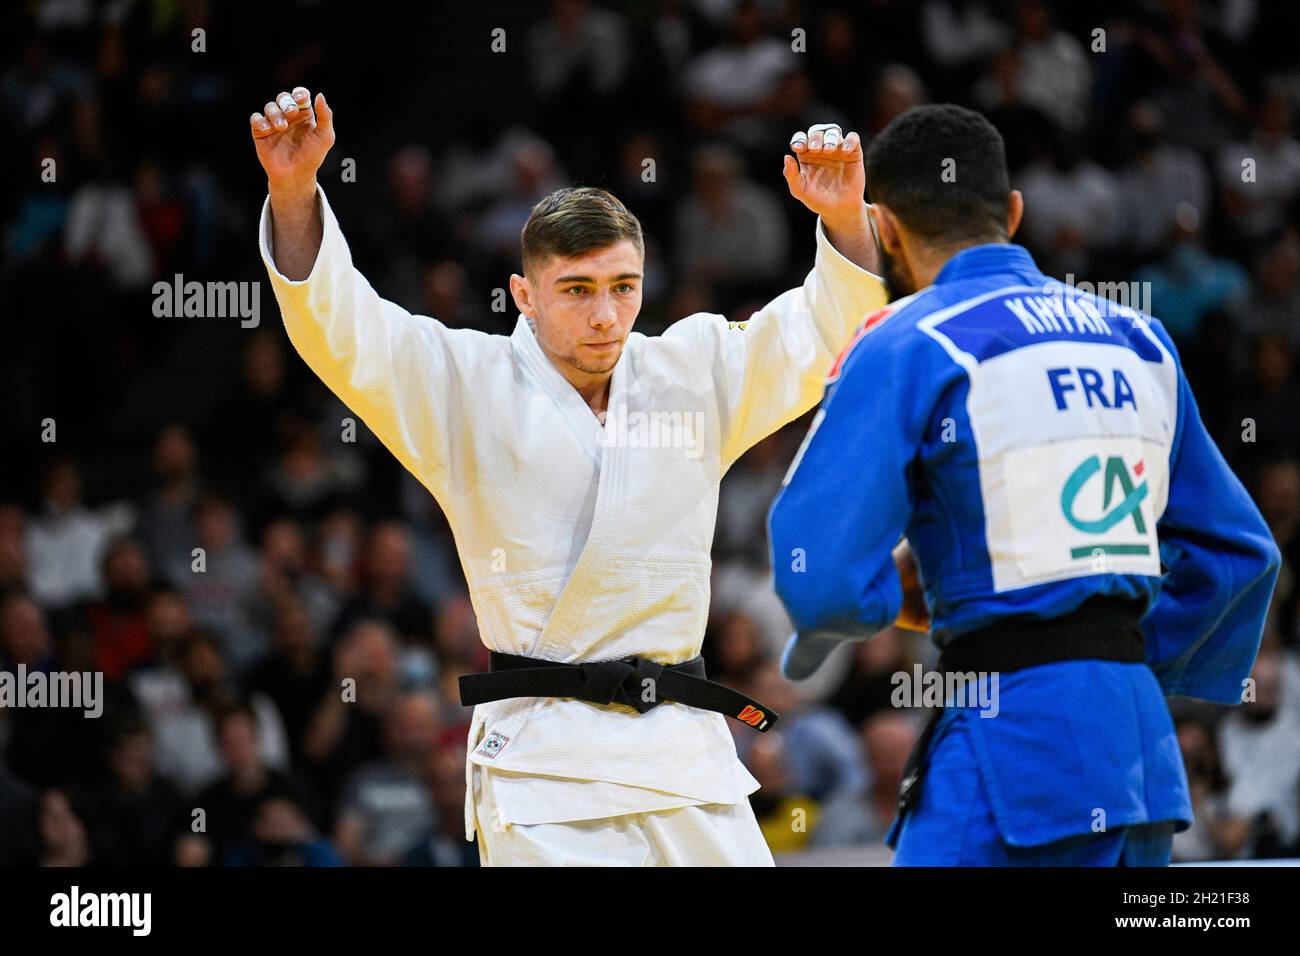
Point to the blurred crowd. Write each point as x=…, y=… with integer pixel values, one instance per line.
x=1155, y=143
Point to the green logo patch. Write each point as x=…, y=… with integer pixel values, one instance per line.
x=1116, y=476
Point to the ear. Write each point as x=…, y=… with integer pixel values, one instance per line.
x=887, y=234
x=1015, y=211
x=522, y=294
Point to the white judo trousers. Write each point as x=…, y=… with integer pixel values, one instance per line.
x=582, y=542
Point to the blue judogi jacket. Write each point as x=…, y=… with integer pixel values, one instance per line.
x=1037, y=445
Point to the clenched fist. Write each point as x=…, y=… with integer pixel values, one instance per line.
x=292, y=139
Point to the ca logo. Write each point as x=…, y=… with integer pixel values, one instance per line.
x=1116, y=475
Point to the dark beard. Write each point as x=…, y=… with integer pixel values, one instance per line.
x=898, y=281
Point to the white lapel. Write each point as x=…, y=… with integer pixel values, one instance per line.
x=554, y=643
x=575, y=412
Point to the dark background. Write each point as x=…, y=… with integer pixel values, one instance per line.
x=323, y=559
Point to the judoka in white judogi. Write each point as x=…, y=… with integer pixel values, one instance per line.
x=582, y=542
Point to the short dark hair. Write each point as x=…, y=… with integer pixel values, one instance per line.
x=574, y=221
x=942, y=170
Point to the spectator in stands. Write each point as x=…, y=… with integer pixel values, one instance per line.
x=1155, y=180
x=386, y=807
x=135, y=814
x=1190, y=282
x=1215, y=834
x=282, y=834
x=386, y=593
x=285, y=572
x=219, y=583
x=575, y=47
x=445, y=844
x=732, y=87
x=165, y=527
x=728, y=229
x=347, y=729
x=1258, y=746
x=230, y=803
x=1261, y=176
x=1052, y=66
x=45, y=746
x=1072, y=206
x=183, y=702
x=295, y=675
x=65, y=541
x=118, y=623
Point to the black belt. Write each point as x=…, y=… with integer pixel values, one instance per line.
x=632, y=681
x=1102, y=628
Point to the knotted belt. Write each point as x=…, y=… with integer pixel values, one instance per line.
x=632, y=681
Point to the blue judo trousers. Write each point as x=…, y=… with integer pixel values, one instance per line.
x=1038, y=446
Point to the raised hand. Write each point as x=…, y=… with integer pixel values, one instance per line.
x=825, y=173
x=292, y=137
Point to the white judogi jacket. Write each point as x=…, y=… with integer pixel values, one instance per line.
x=579, y=542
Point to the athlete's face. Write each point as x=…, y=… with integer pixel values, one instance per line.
x=584, y=306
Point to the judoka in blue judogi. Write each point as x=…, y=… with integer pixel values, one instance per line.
x=1074, y=524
